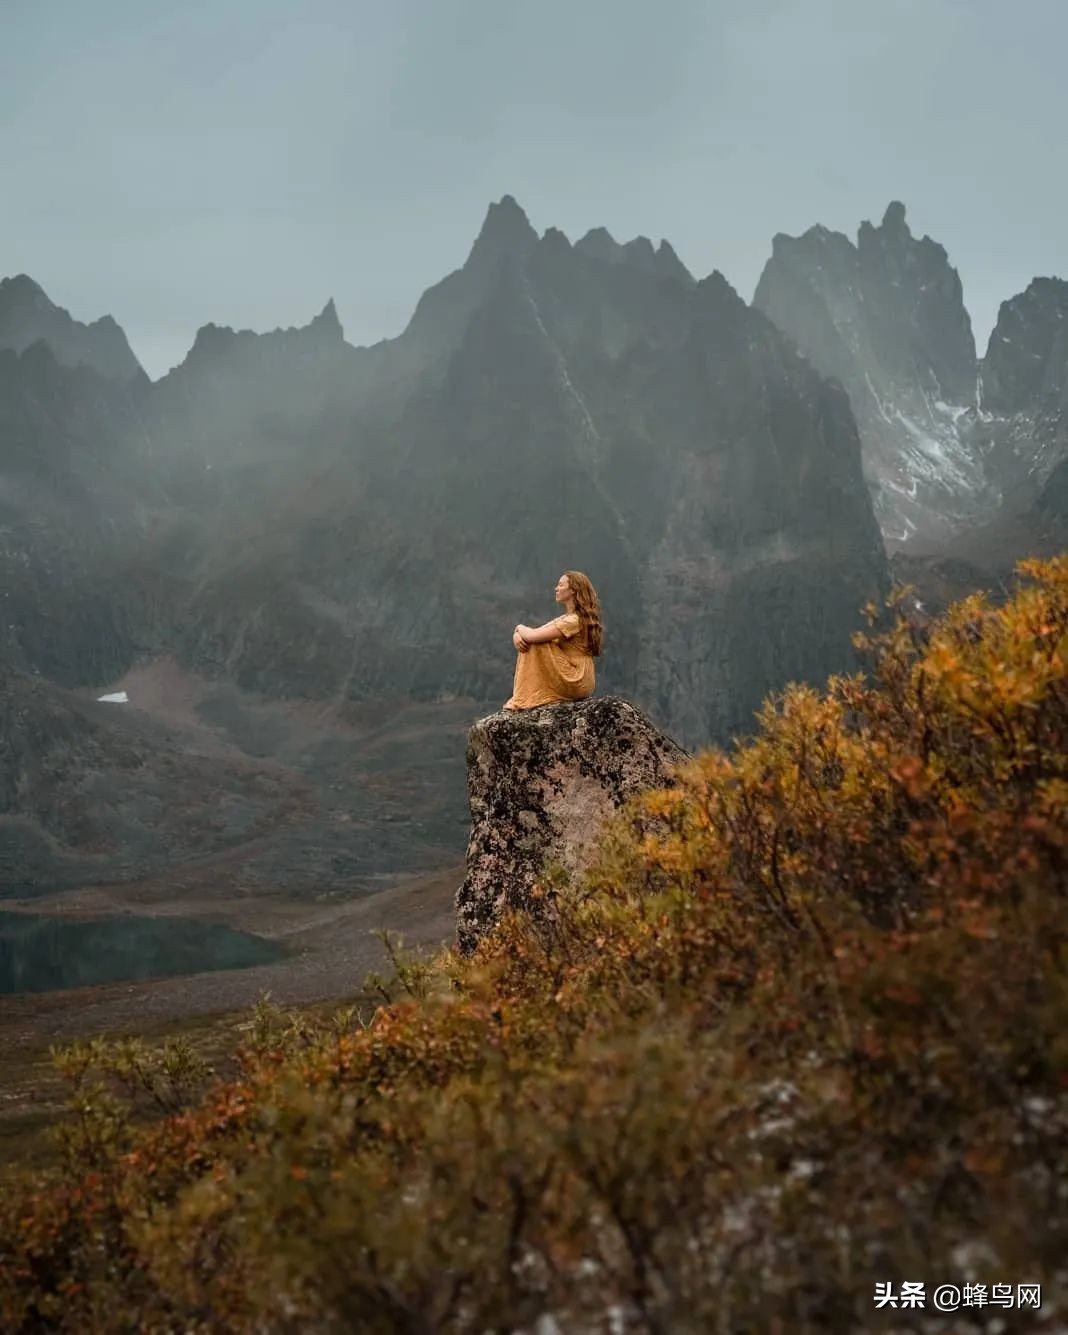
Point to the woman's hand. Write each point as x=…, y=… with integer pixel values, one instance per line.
x=519, y=642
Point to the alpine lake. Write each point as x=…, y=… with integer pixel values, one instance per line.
x=47, y=952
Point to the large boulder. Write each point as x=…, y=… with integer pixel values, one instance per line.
x=541, y=783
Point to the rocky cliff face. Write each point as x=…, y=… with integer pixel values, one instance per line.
x=1022, y=422
x=1052, y=501
x=1023, y=391
x=71, y=491
x=886, y=318
x=949, y=443
x=541, y=784
x=986, y=557
x=1026, y=362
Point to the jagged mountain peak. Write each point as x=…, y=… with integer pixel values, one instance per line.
x=1041, y=293
x=660, y=263
x=716, y=287
x=816, y=238
x=893, y=231
x=894, y=239
x=669, y=264
x=894, y=218
x=894, y=227
x=553, y=240
x=505, y=231
x=210, y=337
x=508, y=256
x=327, y=322
x=599, y=244
x=1052, y=286
x=506, y=210
x=641, y=247
x=213, y=339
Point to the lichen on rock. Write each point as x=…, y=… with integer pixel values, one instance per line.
x=541, y=783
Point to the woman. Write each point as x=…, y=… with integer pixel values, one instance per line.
x=555, y=661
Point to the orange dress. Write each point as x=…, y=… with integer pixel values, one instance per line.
x=561, y=669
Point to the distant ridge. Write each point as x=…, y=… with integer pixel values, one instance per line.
x=27, y=315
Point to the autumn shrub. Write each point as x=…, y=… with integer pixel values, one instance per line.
x=801, y=1030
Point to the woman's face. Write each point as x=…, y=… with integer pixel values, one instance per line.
x=563, y=589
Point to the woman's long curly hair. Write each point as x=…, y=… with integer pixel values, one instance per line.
x=588, y=607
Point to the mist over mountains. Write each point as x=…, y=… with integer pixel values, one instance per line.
x=287, y=518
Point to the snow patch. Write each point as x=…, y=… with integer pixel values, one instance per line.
x=939, y=460
x=119, y=698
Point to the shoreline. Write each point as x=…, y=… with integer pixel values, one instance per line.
x=324, y=963
x=333, y=950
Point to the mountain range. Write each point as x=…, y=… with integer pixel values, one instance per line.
x=323, y=548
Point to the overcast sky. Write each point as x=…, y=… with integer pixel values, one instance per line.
x=240, y=161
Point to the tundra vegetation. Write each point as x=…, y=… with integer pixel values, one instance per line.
x=801, y=1030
